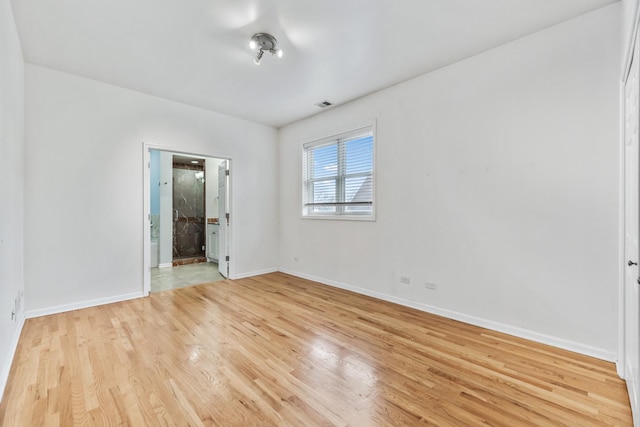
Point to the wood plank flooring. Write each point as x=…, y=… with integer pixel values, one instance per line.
x=277, y=350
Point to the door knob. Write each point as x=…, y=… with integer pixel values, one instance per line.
x=630, y=263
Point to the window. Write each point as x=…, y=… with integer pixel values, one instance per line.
x=338, y=176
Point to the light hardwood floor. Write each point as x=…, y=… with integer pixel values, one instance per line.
x=279, y=350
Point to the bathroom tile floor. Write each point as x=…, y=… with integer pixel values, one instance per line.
x=164, y=279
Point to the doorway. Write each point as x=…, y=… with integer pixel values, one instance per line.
x=185, y=238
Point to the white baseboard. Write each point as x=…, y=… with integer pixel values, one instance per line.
x=82, y=304
x=165, y=265
x=13, y=346
x=483, y=323
x=255, y=273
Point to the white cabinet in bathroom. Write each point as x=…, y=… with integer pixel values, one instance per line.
x=212, y=242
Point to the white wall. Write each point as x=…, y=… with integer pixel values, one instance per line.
x=497, y=179
x=165, y=243
x=84, y=185
x=11, y=186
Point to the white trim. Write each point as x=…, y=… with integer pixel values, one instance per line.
x=146, y=228
x=484, y=323
x=166, y=265
x=629, y=44
x=13, y=346
x=355, y=133
x=341, y=130
x=254, y=273
x=82, y=304
x=173, y=150
x=624, y=364
x=620, y=368
x=370, y=218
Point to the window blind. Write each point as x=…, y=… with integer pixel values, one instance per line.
x=338, y=175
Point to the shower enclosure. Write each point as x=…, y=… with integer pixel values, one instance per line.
x=188, y=208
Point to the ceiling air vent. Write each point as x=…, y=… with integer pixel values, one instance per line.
x=324, y=104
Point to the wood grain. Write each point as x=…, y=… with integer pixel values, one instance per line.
x=276, y=350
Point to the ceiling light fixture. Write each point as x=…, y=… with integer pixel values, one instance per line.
x=264, y=42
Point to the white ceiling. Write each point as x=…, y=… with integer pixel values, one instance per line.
x=196, y=51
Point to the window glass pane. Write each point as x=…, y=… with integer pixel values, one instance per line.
x=325, y=161
x=324, y=191
x=323, y=209
x=358, y=210
x=359, y=189
x=359, y=155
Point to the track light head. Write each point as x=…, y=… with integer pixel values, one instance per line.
x=265, y=43
x=258, y=57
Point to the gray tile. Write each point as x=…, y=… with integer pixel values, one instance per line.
x=163, y=279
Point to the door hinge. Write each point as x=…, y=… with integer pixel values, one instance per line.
x=148, y=165
x=226, y=172
x=227, y=216
x=226, y=258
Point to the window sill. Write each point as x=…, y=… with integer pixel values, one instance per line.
x=339, y=217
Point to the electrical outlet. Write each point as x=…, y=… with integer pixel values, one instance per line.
x=405, y=280
x=429, y=285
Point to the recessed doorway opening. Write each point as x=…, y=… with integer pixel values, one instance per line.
x=186, y=219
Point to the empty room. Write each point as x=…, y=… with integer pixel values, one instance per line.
x=312, y=213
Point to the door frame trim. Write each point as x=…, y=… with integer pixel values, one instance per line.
x=146, y=204
x=621, y=360
x=630, y=41
x=630, y=44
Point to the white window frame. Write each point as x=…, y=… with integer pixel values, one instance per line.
x=339, y=214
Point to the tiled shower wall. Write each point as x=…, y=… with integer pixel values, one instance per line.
x=189, y=212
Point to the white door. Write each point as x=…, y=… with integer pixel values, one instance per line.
x=223, y=216
x=631, y=284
